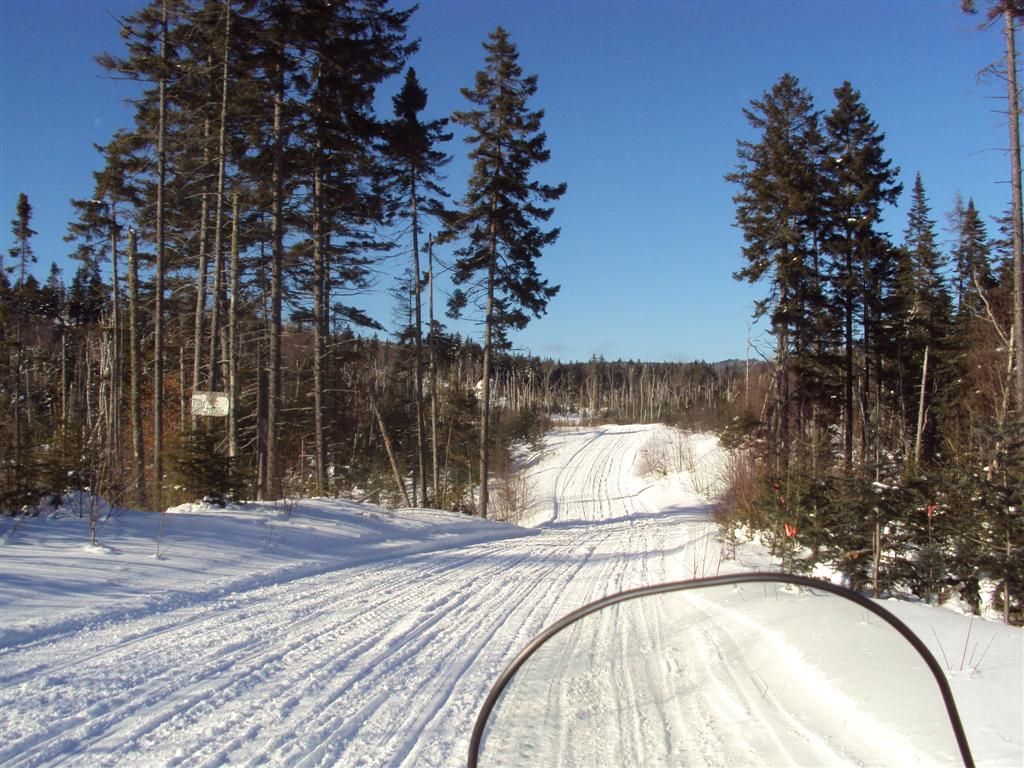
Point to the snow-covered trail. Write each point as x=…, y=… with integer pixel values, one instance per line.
x=342, y=634
x=380, y=664
x=596, y=481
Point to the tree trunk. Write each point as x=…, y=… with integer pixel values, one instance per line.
x=485, y=395
x=201, y=272
x=421, y=446
x=387, y=445
x=272, y=479
x=182, y=389
x=433, y=377
x=1006, y=577
x=233, y=351
x=1018, y=227
x=116, y=363
x=158, y=280
x=782, y=392
x=920, y=408
x=65, y=394
x=261, y=424
x=135, y=364
x=218, y=218
x=18, y=399
x=876, y=560
x=320, y=328
x=848, y=310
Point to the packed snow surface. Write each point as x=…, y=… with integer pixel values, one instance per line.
x=324, y=632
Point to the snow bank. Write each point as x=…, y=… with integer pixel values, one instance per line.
x=54, y=582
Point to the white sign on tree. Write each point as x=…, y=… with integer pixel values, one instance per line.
x=210, y=403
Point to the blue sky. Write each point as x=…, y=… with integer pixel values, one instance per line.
x=644, y=106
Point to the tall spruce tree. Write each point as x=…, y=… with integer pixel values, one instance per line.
x=930, y=293
x=351, y=47
x=152, y=59
x=23, y=255
x=920, y=312
x=501, y=215
x=860, y=181
x=972, y=262
x=21, y=252
x=412, y=145
x=277, y=61
x=779, y=212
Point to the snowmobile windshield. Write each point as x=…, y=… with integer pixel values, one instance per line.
x=750, y=670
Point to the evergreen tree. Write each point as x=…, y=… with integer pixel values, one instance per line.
x=919, y=306
x=860, y=181
x=411, y=143
x=502, y=212
x=972, y=259
x=275, y=59
x=778, y=208
x=1002, y=250
x=352, y=48
x=985, y=485
x=200, y=470
x=51, y=295
x=23, y=295
x=21, y=251
x=152, y=59
x=88, y=295
x=930, y=305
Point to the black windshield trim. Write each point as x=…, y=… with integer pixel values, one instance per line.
x=739, y=578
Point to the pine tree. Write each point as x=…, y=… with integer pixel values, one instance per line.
x=919, y=306
x=778, y=209
x=412, y=145
x=202, y=471
x=860, y=182
x=88, y=295
x=931, y=296
x=351, y=48
x=502, y=212
x=52, y=294
x=23, y=289
x=274, y=59
x=972, y=261
x=21, y=251
x=151, y=59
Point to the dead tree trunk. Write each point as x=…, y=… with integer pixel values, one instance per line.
x=387, y=446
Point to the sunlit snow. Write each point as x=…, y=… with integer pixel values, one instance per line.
x=325, y=632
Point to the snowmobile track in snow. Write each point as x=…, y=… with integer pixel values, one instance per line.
x=378, y=664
